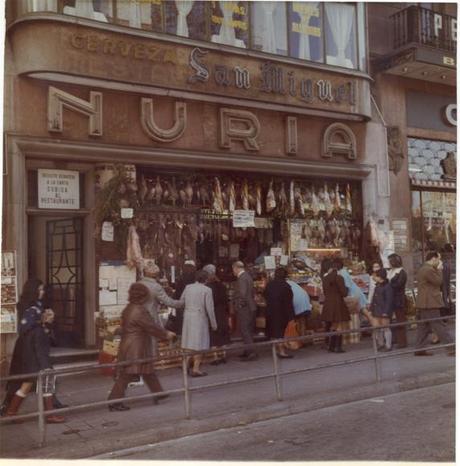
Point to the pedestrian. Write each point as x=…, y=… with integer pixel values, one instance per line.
x=448, y=270
x=30, y=308
x=137, y=328
x=397, y=277
x=32, y=354
x=302, y=305
x=335, y=312
x=221, y=336
x=355, y=300
x=280, y=309
x=187, y=278
x=429, y=303
x=245, y=308
x=375, y=267
x=382, y=309
x=198, y=315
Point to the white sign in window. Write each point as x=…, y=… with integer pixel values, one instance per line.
x=58, y=189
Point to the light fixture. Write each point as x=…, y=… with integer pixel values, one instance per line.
x=405, y=69
x=443, y=76
x=424, y=73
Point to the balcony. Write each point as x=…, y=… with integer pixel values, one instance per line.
x=423, y=46
x=416, y=25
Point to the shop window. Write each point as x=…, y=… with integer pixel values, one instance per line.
x=229, y=23
x=186, y=18
x=269, y=32
x=434, y=221
x=136, y=14
x=305, y=30
x=341, y=35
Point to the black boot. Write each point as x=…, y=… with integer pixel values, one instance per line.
x=338, y=344
x=8, y=397
x=332, y=343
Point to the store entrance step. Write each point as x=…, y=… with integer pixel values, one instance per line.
x=64, y=356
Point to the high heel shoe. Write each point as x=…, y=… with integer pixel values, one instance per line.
x=118, y=407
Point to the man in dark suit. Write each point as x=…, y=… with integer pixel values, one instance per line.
x=429, y=302
x=245, y=308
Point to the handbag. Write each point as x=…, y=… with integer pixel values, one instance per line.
x=171, y=323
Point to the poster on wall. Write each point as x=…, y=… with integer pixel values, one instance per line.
x=9, y=293
x=58, y=189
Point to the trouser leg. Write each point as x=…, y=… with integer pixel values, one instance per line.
x=423, y=330
x=119, y=388
x=440, y=329
x=246, y=321
x=400, y=332
x=152, y=382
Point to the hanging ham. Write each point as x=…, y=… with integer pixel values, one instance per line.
x=291, y=198
x=258, y=199
x=245, y=195
x=314, y=203
x=348, y=200
x=271, y=201
x=327, y=201
x=133, y=252
x=231, y=197
x=218, y=203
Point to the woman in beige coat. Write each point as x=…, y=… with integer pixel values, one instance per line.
x=137, y=327
x=198, y=313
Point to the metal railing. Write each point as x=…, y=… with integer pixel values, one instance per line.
x=426, y=27
x=186, y=390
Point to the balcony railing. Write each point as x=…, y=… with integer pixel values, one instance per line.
x=425, y=27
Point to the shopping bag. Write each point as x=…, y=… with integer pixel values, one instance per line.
x=291, y=331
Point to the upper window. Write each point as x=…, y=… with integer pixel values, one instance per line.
x=321, y=32
x=341, y=44
x=306, y=30
x=269, y=33
x=229, y=23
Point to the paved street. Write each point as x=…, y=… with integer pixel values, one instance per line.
x=93, y=432
x=412, y=426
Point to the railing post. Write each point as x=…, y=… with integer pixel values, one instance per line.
x=376, y=361
x=276, y=373
x=41, y=411
x=186, y=386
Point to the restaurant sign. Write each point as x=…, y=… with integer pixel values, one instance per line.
x=58, y=189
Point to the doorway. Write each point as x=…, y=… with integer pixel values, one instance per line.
x=56, y=256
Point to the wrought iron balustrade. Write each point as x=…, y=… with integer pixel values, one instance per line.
x=425, y=27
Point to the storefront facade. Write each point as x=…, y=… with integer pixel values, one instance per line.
x=189, y=117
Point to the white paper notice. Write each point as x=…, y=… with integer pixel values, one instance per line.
x=103, y=283
x=270, y=263
x=107, y=298
x=107, y=231
x=276, y=252
x=284, y=260
x=243, y=218
x=127, y=213
x=123, y=285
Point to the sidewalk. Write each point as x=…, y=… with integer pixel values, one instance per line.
x=98, y=431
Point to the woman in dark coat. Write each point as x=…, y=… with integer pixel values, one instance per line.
x=334, y=312
x=137, y=328
x=280, y=308
x=221, y=336
x=382, y=309
x=397, y=277
x=32, y=354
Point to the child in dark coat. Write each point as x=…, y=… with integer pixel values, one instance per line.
x=382, y=308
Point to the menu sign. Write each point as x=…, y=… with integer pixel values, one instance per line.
x=58, y=189
x=243, y=218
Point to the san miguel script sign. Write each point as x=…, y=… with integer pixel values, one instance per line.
x=294, y=85
x=272, y=79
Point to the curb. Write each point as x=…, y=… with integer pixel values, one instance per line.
x=106, y=447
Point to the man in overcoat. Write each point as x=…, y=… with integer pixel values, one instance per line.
x=429, y=302
x=245, y=308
